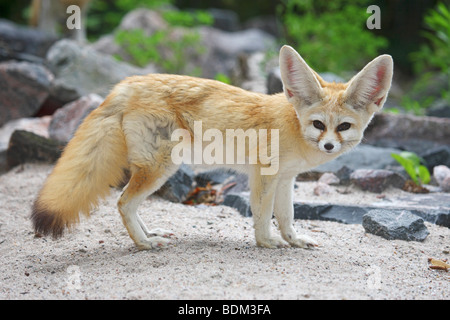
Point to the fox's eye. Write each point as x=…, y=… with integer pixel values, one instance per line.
x=344, y=126
x=318, y=125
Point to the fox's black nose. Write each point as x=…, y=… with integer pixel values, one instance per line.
x=329, y=146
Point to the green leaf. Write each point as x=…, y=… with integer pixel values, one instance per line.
x=223, y=78
x=411, y=156
x=424, y=175
x=408, y=165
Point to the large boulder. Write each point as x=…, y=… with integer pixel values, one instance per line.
x=224, y=48
x=66, y=120
x=24, y=88
x=35, y=125
x=177, y=187
x=23, y=43
x=442, y=175
x=376, y=180
x=393, y=225
x=80, y=71
x=408, y=132
x=26, y=147
x=362, y=157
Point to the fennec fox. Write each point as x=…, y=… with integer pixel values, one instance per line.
x=314, y=122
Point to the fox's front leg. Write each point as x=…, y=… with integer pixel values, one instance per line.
x=261, y=201
x=284, y=213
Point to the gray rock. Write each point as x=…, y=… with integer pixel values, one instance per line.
x=395, y=226
x=224, y=48
x=274, y=84
x=408, y=132
x=231, y=44
x=177, y=188
x=224, y=177
x=80, y=71
x=436, y=156
x=361, y=157
x=329, y=212
x=239, y=202
x=226, y=20
x=267, y=23
x=322, y=189
x=329, y=178
x=22, y=43
x=343, y=174
x=434, y=208
x=3, y=162
x=440, y=108
x=241, y=180
x=442, y=176
x=24, y=88
x=249, y=73
x=215, y=176
x=306, y=211
x=376, y=180
x=37, y=125
x=26, y=147
x=66, y=120
x=145, y=19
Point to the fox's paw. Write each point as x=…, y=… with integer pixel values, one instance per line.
x=303, y=241
x=152, y=243
x=272, y=243
x=158, y=232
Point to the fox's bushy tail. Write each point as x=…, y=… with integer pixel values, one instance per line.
x=92, y=162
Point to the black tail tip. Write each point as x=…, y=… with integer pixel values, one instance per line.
x=46, y=222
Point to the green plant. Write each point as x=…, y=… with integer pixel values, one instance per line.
x=141, y=48
x=223, y=78
x=433, y=57
x=105, y=16
x=435, y=54
x=330, y=35
x=144, y=49
x=412, y=165
x=414, y=106
x=188, y=19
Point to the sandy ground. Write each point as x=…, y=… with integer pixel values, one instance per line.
x=212, y=257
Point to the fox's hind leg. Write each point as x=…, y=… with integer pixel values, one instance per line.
x=154, y=232
x=149, y=153
x=144, y=181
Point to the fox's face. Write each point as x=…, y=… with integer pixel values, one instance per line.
x=333, y=116
x=331, y=129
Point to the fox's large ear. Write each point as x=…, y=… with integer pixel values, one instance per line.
x=300, y=85
x=369, y=88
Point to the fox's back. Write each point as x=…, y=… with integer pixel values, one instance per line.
x=216, y=104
